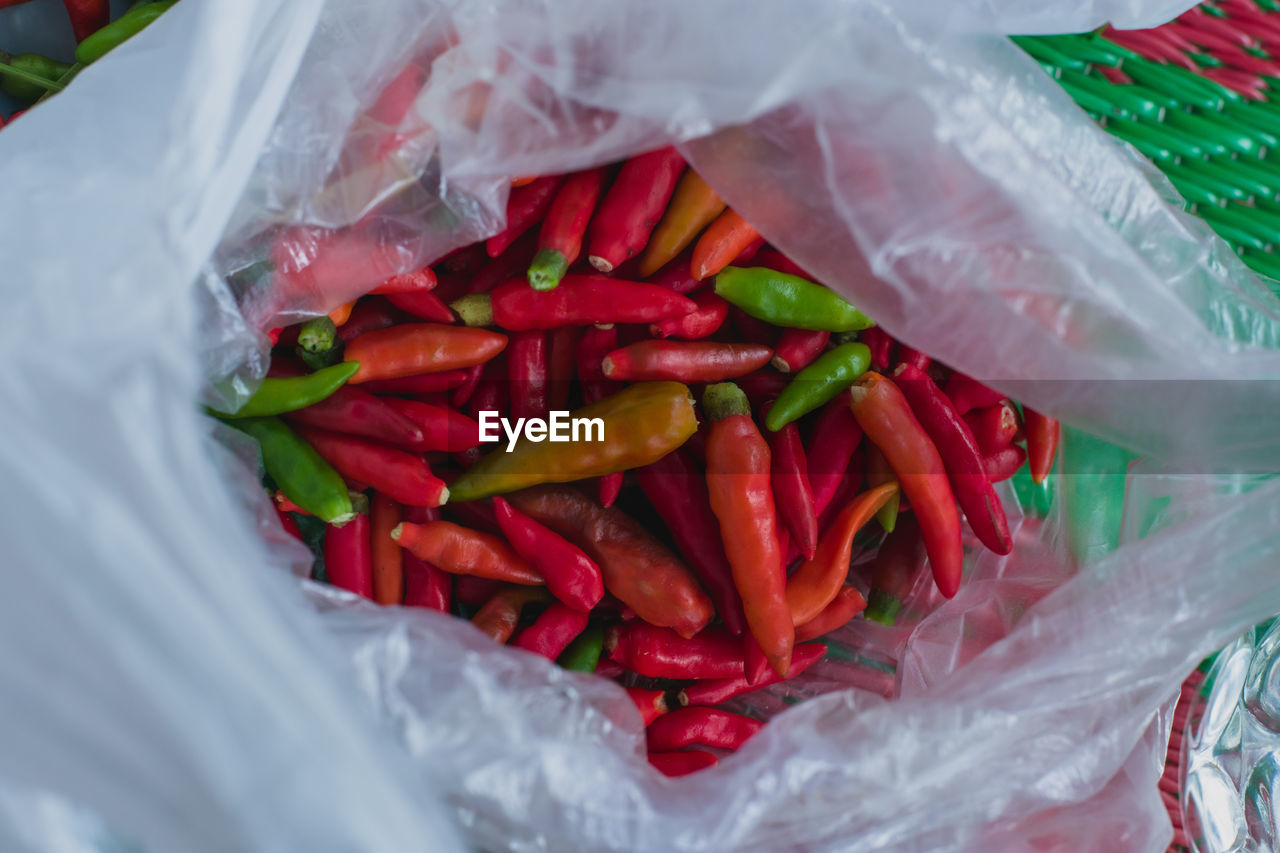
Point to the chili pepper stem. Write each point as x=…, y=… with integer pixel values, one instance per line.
x=318, y=334
x=474, y=309
x=724, y=400
x=546, y=269
x=882, y=607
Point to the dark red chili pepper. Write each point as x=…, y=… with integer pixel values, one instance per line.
x=562, y=347
x=713, y=691
x=677, y=277
x=674, y=764
x=290, y=526
x=425, y=585
x=662, y=653
x=442, y=428
x=835, y=437
x=775, y=260
x=763, y=385
x=960, y=457
x=893, y=575
x=578, y=301
x=409, y=282
x=388, y=561
x=370, y=314
x=752, y=330
x=473, y=591
x=401, y=475
x=702, y=323
x=526, y=207
x=846, y=605
x=593, y=346
x=459, y=396
x=698, y=726
x=1042, y=443
x=791, y=490
x=1004, y=464
x=844, y=493
x=553, y=631
x=560, y=240
x=633, y=206
x=881, y=346
x=684, y=361
x=913, y=357
x=678, y=491
x=501, y=613
x=995, y=427
x=510, y=264
x=492, y=392
x=354, y=411
x=422, y=304
x=571, y=575
x=87, y=16
x=527, y=374
x=465, y=260
x=651, y=704
x=797, y=348
x=422, y=383
x=608, y=488
x=968, y=394
x=348, y=559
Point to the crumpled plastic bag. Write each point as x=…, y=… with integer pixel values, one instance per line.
x=165, y=679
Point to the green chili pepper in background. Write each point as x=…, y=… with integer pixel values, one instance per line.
x=300, y=472
x=119, y=31
x=788, y=300
x=318, y=343
x=279, y=395
x=27, y=76
x=819, y=383
x=583, y=654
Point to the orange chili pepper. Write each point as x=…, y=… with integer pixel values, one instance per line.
x=848, y=603
x=723, y=241
x=388, y=557
x=342, y=313
x=462, y=551
x=520, y=182
x=1042, y=443
x=414, y=348
x=693, y=207
x=501, y=613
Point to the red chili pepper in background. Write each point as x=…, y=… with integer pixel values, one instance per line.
x=527, y=374
x=662, y=653
x=738, y=463
x=887, y=419
x=348, y=558
x=797, y=348
x=702, y=323
x=370, y=314
x=773, y=259
x=881, y=346
x=403, y=476
x=473, y=591
x=420, y=348
x=553, y=631
x=87, y=16
x=750, y=329
x=677, y=277
x=608, y=488
x=722, y=242
x=579, y=300
x=422, y=304
x=968, y=394
x=1003, y=465
x=441, y=427
x=290, y=526
x=713, y=691
x=651, y=704
x=513, y=263
x=526, y=207
x=285, y=505
x=571, y=575
x=763, y=385
x=674, y=764
x=847, y=604
x=354, y=411
x=834, y=439
x=425, y=585
x=995, y=427
x=465, y=260
x=388, y=565
x=1042, y=443
x=791, y=490
x=562, y=347
x=409, y=282
x=492, y=392
x=462, y=551
x=898, y=563
x=632, y=207
x=593, y=346
x=684, y=361
x=500, y=615
x=914, y=357
x=459, y=396
x=698, y=726
x=421, y=383
x=560, y=240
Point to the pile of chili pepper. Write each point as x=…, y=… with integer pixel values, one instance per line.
x=758, y=434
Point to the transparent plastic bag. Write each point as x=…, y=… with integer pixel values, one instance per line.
x=168, y=681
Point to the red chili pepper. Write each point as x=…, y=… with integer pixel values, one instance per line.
x=881, y=346
x=713, y=691
x=994, y=427
x=1003, y=465
x=845, y=492
x=562, y=347
x=527, y=369
x=370, y=314
x=675, y=276
x=285, y=505
x=698, y=726
x=887, y=419
x=401, y=475
x=778, y=262
x=422, y=304
x=593, y=346
x=510, y=264
x=835, y=437
x=348, y=559
x=702, y=323
x=464, y=260
x=425, y=585
x=662, y=653
x=571, y=575
x=388, y=564
x=684, y=361
x=763, y=385
x=492, y=394
x=409, y=282
x=748, y=253
x=968, y=394
x=752, y=330
x=354, y=411
x=651, y=704
x=898, y=563
x=797, y=348
x=560, y=240
x=738, y=462
x=442, y=428
x=461, y=551
x=420, y=348
x=578, y=301
x=1042, y=443
x=791, y=490
x=422, y=383
x=553, y=631
x=473, y=591
x=674, y=764
x=290, y=526
x=846, y=605
x=632, y=207
x=87, y=16
x=459, y=396
x=526, y=207
x=608, y=488
x=500, y=615
x=273, y=335
x=913, y=357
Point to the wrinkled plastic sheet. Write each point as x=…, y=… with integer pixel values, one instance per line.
x=175, y=686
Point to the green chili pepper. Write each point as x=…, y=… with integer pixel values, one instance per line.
x=299, y=471
x=819, y=383
x=318, y=343
x=120, y=31
x=583, y=654
x=27, y=76
x=788, y=300
x=279, y=395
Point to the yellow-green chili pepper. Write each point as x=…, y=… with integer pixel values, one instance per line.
x=819, y=383
x=278, y=395
x=788, y=300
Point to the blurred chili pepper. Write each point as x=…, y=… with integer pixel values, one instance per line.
x=579, y=300
x=968, y=394
x=425, y=585
x=420, y=383
x=95, y=45
x=835, y=437
x=441, y=428
x=662, y=653
x=583, y=653
x=369, y=314
x=693, y=207
x=422, y=304
x=674, y=764
x=527, y=374
x=632, y=207
x=553, y=631
x=994, y=427
x=651, y=704
x=299, y=471
x=847, y=604
x=500, y=615
x=676, y=276
x=279, y=395
x=713, y=691
x=881, y=346
x=526, y=207
x=1004, y=464
x=763, y=385
x=562, y=346
x=698, y=726
x=473, y=591
x=879, y=473
x=571, y=575
x=788, y=300
x=684, y=361
x=348, y=558
x=388, y=565
x=403, y=476
x=512, y=263
x=702, y=323
x=1042, y=443
x=353, y=411
x=833, y=372
x=797, y=348
x=290, y=526
x=791, y=490
x=560, y=240
x=725, y=238
x=898, y=563
x=420, y=348
x=461, y=551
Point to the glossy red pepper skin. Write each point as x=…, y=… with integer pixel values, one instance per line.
x=354, y=411
x=797, y=348
x=846, y=605
x=1042, y=443
x=994, y=427
x=968, y=394
x=461, y=395
x=528, y=374
x=699, y=726
x=422, y=304
x=713, y=691
x=441, y=427
x=651, y=704
x=553, y=631
x=662, y=653
x=684, y=361
x=881, y=346
x=960, y=456
x=348, y=558
x=422, y=383
x=676, y=276
x=560, y=239
x=87, y=16
x=1004, y=464
x=702, y=323
x=425, y=585
x=562, y=347
x=408, y=282
x=632, y=207
x=462, y=551
x=584, y=300
x=835, y=437
x=913, y=357
x=676, y=764
x=571, y=575
x=526, y=207
x=415, y=348
x=402, y=476
x=791, y=490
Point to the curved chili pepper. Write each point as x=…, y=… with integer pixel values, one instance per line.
x=684, y=361
x=835, y=437
x=388, y=560
x=500, y=615
x=1042, y=443
x=721, y=244
x=441, y=428
x=348, y=559
x=1003, y=465
x=791, y=490
x=698, y=726
x=847, y=604
x=527, y=373
x=408, y=282
x=675, y=764
x=960, y=456
x=632, y=207
x=353, y=411
x=422, y=304
x=510, y=264
x=898, y=563
x=420, y=348
x=702, y=323
x=878, y=473
x=461, y=551
x=401, y=475
x=693, y=207
x=886, y=418
x=662, y=653
x=421, y=383
x=579, y=300
x=676, y=276
x=425, y=585
x=560, y=240
x=994, y=427
x=797, y=348
x=638, y=570
x=562, y=348
x=651, y=704
x=788, y=300
x=583, y=654
x=299, y=471
x=110, y=36
x=553, y=631
x=713, y=691
x=818, y=580
x=819, y=383
x=570, y=575
x=526, y=207
x=881, y=346
x=461, y=395
x=279, y=395
x=968, y=394
x=640, y=424
x=738, y=462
